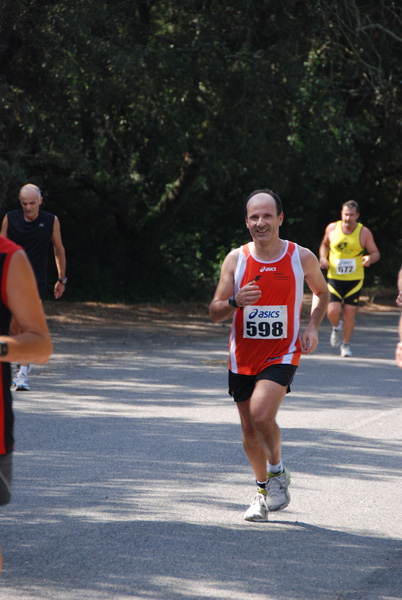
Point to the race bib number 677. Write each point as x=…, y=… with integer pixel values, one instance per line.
x=265, y=322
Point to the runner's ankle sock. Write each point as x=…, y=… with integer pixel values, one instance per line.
x=275, y=469
x=24, y=370
x=261, y=485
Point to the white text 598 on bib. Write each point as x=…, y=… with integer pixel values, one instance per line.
x=265, y=322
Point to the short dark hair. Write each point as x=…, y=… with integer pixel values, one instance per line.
x=278, y=201
x=352, y=204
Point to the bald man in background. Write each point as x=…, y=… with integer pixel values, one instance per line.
x=34, y=230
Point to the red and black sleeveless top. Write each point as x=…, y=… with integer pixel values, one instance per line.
x=267, y=333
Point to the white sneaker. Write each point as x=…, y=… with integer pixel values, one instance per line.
x=258, y=510
x=336, y=335
x=21, y=383
x=346, y=351
x=29, y=368
x=278, y=496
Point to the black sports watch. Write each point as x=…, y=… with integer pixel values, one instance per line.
x=63, y=280
x=233, y=302
x=3, y=348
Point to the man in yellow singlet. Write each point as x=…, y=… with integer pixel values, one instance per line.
x=342, y=253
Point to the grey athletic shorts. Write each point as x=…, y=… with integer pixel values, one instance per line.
x=241, y=387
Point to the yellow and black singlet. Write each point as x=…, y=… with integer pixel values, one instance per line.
x=345, y=254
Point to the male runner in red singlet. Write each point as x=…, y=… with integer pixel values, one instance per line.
x=261, y=289
x=18, y=298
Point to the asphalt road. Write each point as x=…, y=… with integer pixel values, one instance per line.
x=131, y=482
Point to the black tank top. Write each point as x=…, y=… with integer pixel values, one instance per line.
x=34, y=237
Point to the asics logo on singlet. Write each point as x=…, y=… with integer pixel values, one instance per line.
x=264, y=314
x=267, y=269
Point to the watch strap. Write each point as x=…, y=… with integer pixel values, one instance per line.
x=233, y=302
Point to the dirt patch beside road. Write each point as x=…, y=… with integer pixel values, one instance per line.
x=184, y=319
x=173, y=318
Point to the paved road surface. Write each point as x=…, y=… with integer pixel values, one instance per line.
x=131, y=481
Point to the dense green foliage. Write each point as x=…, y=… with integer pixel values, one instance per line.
x=146, y=123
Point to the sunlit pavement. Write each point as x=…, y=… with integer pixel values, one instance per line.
x=131, y=482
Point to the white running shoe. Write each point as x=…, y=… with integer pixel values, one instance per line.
x=258, y=510
x=15, y=378
x=346, y=352
x=278, y=496
x=21, y=383
x=336, y=335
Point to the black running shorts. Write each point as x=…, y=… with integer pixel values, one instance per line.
x=6, y=475
x=348, y=291
x=241, y=387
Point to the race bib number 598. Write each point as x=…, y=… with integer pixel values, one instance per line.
x=265, y=322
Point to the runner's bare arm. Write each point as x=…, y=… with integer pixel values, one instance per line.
x=368, y=243
x=317, y=284
x=4, y=227
x=33, y=343
x=399, y=297
x=324, y=246
x=398, y=354
x=220, y=309
x=60, y=258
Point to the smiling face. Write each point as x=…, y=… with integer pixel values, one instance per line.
x=30, y=200
x=262, y=219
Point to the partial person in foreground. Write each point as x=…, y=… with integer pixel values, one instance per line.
x=18, y=298
x=342, y=254
x=261, y=289
x=398, y=354
x=34, y=230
